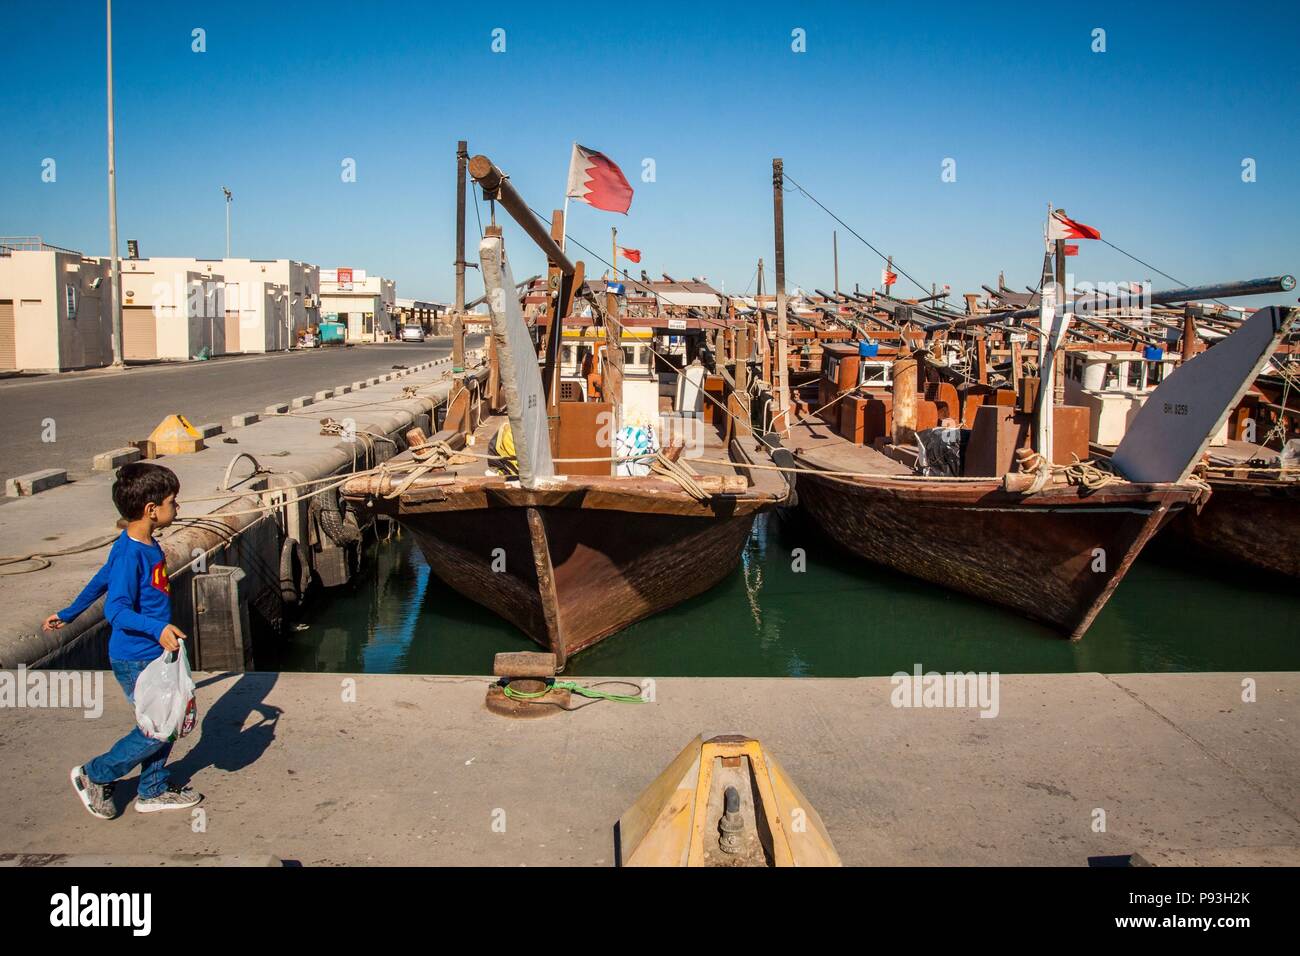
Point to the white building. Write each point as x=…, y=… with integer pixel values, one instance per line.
x=54, y=313
x=172, y=309
x=364, y=303
x=265, y=302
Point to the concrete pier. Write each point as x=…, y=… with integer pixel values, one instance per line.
x=79, y=517
x=327, y=769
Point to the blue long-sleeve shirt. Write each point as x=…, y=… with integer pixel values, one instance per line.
x=138, y=605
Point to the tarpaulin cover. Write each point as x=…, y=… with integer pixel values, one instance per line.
x=941, y=451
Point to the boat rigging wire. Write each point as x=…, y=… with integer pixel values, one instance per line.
x=856, y=234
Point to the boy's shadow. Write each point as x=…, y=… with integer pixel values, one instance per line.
x=224, y=740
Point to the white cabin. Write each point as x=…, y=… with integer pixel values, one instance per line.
x=1113, y=386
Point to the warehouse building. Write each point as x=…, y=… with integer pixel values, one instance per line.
x=54, y=313
x=266, y=304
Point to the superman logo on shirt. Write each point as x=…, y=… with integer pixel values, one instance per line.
x=159, y=578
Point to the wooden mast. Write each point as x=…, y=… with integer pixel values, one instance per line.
x=458, y=317
x=462, y=160
x=781, y=422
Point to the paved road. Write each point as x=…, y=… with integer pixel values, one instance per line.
x=98, y=410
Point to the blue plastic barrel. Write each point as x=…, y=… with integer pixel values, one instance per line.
x=868, y=349
x=1153, y=353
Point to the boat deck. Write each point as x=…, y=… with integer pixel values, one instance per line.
x=815, y=443
x=1235, y=452
x=713, y=458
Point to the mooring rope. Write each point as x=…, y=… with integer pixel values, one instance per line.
x=576, y=688
x=682, y=475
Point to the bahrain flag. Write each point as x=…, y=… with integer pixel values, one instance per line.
x=595, y=179
x=1062, y=227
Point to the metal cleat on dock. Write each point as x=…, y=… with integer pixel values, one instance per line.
x=723, y=802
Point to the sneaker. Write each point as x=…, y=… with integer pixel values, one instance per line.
x=173, y=798
x=98, y=797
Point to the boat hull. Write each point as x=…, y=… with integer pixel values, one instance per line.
x=1055, y=556
x=1250, y=522
x=570, y=577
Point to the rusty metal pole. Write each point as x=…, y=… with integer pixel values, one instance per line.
x=462, y=160
x=782, y=359
x=458, y=320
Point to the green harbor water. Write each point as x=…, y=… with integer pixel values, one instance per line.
x=838, y=617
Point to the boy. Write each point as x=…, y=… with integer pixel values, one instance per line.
x=138, y=609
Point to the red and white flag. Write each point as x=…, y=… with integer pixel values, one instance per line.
x=1071, y=250
x=595, y=179
x=1060, y=226
x=888, y=278
x=632, y=255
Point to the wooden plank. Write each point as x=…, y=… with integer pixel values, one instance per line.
x=546, y=586
x=523, y=664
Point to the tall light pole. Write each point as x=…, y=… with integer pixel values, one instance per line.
x=228, y=198
x=115, y=282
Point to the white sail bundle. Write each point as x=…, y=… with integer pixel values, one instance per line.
x=521, y=380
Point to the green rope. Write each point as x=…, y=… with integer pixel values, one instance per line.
x=574, y=688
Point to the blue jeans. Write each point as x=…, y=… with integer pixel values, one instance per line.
x=135, y=747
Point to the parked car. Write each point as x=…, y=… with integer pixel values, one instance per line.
x=412, y=333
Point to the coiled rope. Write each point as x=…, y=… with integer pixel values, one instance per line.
x=572, y=687
x=1093, y=473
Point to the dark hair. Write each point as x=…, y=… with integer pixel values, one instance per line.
x=140, y=484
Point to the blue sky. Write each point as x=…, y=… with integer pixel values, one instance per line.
x=1144, y=141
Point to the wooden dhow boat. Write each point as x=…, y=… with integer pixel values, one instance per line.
x=1252, y=519
x=572, y=548
x=1052, y=542
x=991, y=491
x=1252, y=464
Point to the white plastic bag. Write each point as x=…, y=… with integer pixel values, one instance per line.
x=165, y=708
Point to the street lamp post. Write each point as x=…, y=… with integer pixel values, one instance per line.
x=115, y=281
x=228, y=198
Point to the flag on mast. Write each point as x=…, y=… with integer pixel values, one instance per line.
x=595, y=179
x=631, y=255
x=1060, y=226
x=888, y=278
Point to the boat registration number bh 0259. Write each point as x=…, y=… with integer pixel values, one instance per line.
x=1173, y=409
